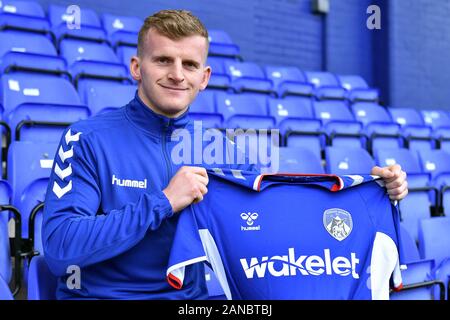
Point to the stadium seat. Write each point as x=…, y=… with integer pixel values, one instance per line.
x=26, y=52
x=220, y=44
x=5, y=292
x=51, y=102
x=434, y=243
x=28, y=16
x=247, y=76
x=341, y=160
x=64, y=23
x=289, y=80
x=417, y=279
x=41, y=282
x=100, y=99
x=407, y=160
x=326, y=85
x=203, y=108
x=418, y=135
x=121, y=30
x=5, y=253
x=125, y=53
x=357, y=88
x=339, y=124
x=378, y=126
x=91, y=62
x=436, y=118
x=290, y=108
x=219, y=78
x=441, y=136
x=244, y=110
x=29, y=168
x=299, y=160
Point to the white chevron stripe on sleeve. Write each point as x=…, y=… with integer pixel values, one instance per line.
x=59, y=192
x=72, y=137
x=63, y=155
x=62, y=174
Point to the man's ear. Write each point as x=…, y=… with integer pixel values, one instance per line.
x=135, y=68
x=206, y=76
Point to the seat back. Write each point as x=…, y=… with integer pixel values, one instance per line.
x=5, y=254
x=341, y=160
x=29, y=165
x=99, y=97
x=41, y=282
x=299, y=160
x=5, y=292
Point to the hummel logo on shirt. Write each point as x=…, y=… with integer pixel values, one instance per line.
x=141, y=184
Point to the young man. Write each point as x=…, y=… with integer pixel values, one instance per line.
x=111, y=204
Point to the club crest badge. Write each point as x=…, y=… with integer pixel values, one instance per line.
x=338, y=223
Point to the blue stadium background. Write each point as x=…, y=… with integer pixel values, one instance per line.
x=408, y=123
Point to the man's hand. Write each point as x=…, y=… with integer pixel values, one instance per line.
x=395, y=180
x=187, y=186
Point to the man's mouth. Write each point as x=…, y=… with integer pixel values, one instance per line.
x=173, y=88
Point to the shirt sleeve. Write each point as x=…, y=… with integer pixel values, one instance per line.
x=73, y=232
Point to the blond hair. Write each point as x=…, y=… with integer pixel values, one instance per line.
x=173, y=24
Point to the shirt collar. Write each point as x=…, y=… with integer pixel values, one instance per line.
x=146, y=119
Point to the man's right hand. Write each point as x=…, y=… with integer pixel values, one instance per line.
x=187, y=186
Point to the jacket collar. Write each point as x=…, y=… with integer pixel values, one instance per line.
x=146, y=119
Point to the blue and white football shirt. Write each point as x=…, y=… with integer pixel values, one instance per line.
x=291, y=237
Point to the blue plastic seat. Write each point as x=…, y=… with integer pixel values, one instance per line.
x=221, y=44
x=28, y=16
x=421, y=200
x=5, y=253
x=122, y=29
x=339, y=123
x=289, y=80
x=299, y=160
x=341, y=160
x=436, y=118
x=357, y=88
x=437, y=164
x=41, y=282
x=244, y=110
x=418, y=273
x=291, y=112
x=43, y=99
x=378, y=126
x=125, y=53
x=248, y=76
x=434, y=243
x=100, y=99
x=29, y=168
x=26, y=52
x=203, y=108
x=418, y=135
x=65, y=25
x=219, y=78
x=326, y=85
x=92, y=63
x=5, y=293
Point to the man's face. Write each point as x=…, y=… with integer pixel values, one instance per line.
x=170, y=72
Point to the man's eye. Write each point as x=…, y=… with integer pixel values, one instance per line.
x=191, y=65
x=163, y=60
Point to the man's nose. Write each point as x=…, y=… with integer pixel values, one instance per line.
x=176, y=72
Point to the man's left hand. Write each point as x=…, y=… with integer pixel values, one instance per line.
x=395, y=180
